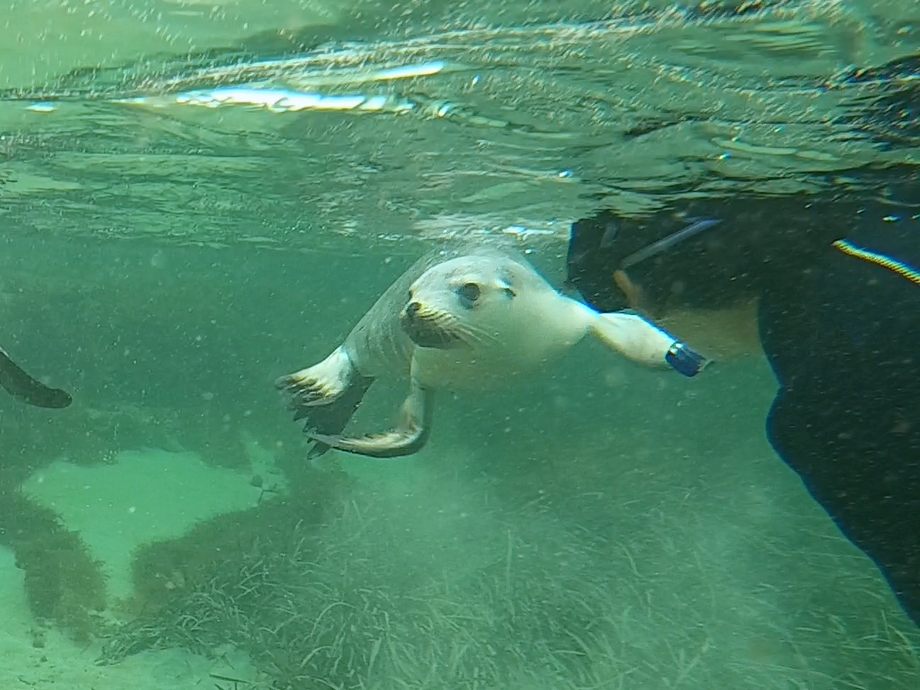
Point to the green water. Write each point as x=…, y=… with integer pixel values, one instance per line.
x=595, y=527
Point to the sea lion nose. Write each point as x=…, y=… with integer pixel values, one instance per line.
x=413, y=308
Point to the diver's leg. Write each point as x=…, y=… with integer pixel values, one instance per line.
x=864, y=470
x=844, y=345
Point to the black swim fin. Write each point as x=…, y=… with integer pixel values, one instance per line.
x=23, y=387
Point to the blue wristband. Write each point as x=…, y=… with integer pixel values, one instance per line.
x=685, y=360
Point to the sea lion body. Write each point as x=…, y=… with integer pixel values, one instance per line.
x=465, y=319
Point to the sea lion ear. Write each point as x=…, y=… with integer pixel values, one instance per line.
x=504, y=286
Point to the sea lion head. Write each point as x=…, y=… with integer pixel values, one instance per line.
x=462, y=302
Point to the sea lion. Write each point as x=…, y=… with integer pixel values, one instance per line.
x=23, y=387
x=456, y=319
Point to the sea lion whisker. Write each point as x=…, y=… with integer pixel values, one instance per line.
x=465, y=332
x=472, y=338
x=474, y=334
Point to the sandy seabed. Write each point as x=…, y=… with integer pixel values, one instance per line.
x=142, y=496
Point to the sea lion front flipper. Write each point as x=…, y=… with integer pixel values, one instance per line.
x=23, y=387
x=320, y=384
x=407, y=438
x=645, y=343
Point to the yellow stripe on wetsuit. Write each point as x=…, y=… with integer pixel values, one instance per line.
x=899, y=267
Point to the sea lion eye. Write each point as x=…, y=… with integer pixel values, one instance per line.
x=468, y=293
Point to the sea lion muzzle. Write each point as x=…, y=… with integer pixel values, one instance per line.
x=424, y=328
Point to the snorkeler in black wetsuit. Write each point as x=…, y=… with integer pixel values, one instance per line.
x=834, y=283
x=21, y=386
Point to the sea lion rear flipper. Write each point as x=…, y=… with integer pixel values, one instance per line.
x=407, y=438
x=325, y=395
x=23, y=387
x=331, y=419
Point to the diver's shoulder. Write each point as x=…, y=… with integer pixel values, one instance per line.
x=893, y=230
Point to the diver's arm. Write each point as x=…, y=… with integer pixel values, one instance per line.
x=20, y=385
x=645, y=343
